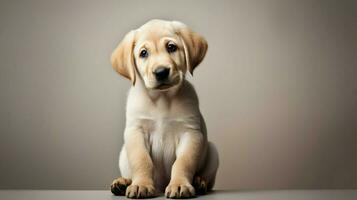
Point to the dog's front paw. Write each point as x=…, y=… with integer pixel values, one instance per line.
x=140, y=191
x=179, y=190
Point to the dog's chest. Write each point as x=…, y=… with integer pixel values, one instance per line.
x=161, y=139
x=162, y=122
x=163, y=127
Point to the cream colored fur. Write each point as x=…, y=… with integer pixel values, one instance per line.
x=165, y=136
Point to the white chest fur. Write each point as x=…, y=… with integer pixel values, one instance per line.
x=163, y=120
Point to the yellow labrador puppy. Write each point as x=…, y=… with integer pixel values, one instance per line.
x=166, y=147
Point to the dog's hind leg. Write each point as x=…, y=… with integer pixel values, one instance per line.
x=204, y=180
x=119, y=185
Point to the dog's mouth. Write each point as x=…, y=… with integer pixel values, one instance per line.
x=167, y=85
x=163, y=86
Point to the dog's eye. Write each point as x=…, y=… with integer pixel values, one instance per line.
x=171, y=47
x=144, y=53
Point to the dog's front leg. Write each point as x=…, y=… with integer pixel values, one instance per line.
x=185, y=166
x=142, y=185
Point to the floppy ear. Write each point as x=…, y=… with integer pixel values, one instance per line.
x=195, y=46
x=122, y=57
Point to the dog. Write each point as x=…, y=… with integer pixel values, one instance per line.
x=165, y=142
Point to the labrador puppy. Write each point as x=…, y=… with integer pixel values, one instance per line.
x=165, y=141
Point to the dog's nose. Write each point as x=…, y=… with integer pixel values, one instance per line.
x=161, y=73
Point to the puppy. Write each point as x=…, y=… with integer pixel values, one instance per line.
x=165, y=141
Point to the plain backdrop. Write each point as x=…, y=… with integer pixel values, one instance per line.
x=278, y=90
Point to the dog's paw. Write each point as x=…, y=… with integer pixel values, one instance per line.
x=119, y=186
x=200, y=185
x=176, y=191
x=137, y=191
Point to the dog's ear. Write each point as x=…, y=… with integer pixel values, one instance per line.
x=195, y=46
x=122, y=57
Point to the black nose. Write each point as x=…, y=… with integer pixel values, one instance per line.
x=161, y=73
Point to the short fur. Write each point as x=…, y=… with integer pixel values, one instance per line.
x=165, y=140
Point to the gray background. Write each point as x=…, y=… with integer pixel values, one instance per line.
x=278, y=89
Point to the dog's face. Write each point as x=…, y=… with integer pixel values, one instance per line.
x=159, y=52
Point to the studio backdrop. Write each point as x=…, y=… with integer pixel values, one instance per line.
x=278, y=89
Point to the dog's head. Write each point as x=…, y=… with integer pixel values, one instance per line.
x=160, y=53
